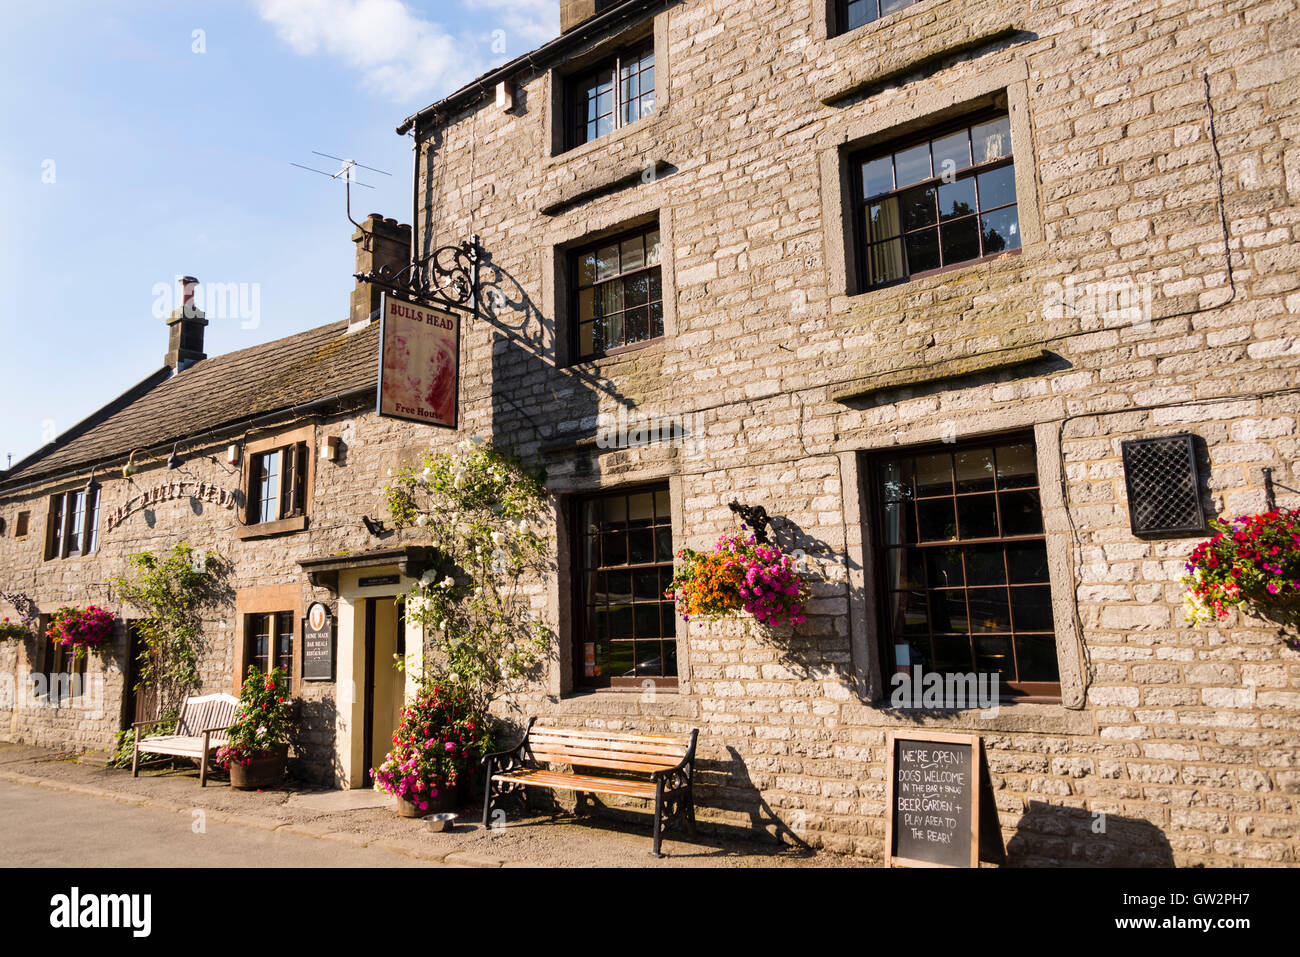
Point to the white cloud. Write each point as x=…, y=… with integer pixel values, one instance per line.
x=527, y=24
x=398, y=52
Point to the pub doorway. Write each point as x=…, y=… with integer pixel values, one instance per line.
x=384, y=687
x=139, y=702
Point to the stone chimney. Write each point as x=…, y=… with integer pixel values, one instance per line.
x=380, y=242
x=185, y=330
x=574, y=12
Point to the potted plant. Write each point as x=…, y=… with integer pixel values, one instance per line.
x=257, y=745
x=81, y=629
x=440, y=738
x=1252, y=561
x=740, y=574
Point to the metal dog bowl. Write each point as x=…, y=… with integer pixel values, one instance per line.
x=441, y=822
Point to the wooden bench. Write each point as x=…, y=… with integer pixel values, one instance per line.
x=200, y=729
x=667, y=760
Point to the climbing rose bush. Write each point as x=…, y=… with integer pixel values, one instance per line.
x=486, y=514
x=1252, y=560
x=740, y=574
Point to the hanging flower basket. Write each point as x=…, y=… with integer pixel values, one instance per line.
x=11, y=630
x=740, y=575
x=81, y=629
x=1252, y=561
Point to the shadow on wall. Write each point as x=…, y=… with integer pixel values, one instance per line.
x=522, y=378
x=809, y=652
x=314, y=757
x=727, y=785
x=1051, y=836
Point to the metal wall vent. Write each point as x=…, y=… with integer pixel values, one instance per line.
x=1164, y=484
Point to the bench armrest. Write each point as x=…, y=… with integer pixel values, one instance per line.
x=508, y=752
x=146, y=724
x=683, y=765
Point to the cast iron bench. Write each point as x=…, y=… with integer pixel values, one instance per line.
x=668, y=760
x=200, y=729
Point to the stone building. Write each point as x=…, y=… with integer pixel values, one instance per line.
x=915, y=278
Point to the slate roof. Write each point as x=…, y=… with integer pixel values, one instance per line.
x=215, y=392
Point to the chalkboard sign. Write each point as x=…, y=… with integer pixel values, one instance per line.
x=935, y=813
x=318, y=644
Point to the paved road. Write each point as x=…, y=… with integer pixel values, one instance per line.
x=44, y=828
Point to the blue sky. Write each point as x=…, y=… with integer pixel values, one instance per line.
x=135, y=150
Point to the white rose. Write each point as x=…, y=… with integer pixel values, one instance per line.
x=497, y=538
x=448, y=582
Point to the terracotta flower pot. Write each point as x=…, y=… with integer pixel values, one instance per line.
x=445, y=801
x=266, y=770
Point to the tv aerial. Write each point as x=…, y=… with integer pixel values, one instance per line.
x=347, y=174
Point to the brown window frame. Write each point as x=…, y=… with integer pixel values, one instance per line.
x=292, y=489
x=59, y=659
x=577, y=98
x=22, y=524
x=582, y=575
x=67, y=523
x=860, y=202
x=1011, y=690
x=651, y=271
x=275, y=625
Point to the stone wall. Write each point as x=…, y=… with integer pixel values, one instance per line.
x=1151, y=145
x=1152, y=154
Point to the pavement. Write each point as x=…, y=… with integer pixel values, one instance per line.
x=46, y=796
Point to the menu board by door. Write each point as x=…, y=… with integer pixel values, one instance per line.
x=935, y=812
x=318, y=644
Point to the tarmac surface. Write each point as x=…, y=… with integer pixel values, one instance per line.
x=65, y=809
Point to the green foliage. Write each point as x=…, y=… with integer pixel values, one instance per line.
x=171, y=591
x=13, y=631
x=263, y=719
x=485, y=514
x=124, y=744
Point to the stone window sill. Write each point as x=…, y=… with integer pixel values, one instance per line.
x=284, y=526
x=897, y=44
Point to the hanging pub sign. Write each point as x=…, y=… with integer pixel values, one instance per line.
x=318, y=644
x=939, y=802
x=419, y=363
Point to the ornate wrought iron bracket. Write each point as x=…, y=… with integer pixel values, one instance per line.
x=448, y=279
x=756, y=517
x=26, y=607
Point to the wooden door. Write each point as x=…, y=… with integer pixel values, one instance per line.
x=138, y=703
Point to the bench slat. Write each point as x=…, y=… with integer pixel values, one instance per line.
x=178, y=744
x=683, y=740
x=579, y=782
x=570, y=755
x=586, y=762
x=675, y=751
